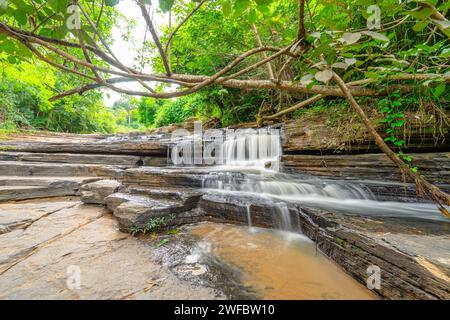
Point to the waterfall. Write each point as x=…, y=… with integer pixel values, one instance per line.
x=285, y=217
x=246, y=163
x=259, y=149
x=336, y=196
x=243, y=148
x=282, y=185
x=249, y=216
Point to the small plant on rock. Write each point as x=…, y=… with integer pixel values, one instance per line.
x=155, y=224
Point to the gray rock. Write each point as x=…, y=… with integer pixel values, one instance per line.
x=136, y=214
x=96, y=192
x=40, y=169
x=74, y=158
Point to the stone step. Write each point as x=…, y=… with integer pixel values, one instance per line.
x=116, y=199
x=167, y=177
x=16, y=193
x=43, y=181
x=136, y=211
x=150, y=146
x=15, y=168
x=96, y=192
x=183, y=194
x=134, y=206
x=84, y=158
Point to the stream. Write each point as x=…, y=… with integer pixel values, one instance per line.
x=248, y=163
x=280, y=263
x=274, y=264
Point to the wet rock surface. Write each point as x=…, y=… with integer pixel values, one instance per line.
x=373, y=168
x=40, y=239
x=396, y=246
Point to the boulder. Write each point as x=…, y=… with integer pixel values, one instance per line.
x=96, y=192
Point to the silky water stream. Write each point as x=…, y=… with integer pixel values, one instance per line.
x=280, y=263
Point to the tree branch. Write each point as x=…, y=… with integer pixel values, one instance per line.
x=264, y=55
x=172, y=34
x=152, y=30
x=301, y=33
x=436, y=194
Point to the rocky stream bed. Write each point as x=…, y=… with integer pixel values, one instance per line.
x=74, y=200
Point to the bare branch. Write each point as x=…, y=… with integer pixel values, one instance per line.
x=102, y=40
x=299, y=105
x=152, y=30
x=172, y=34
x=83, y=48
x=264, y=55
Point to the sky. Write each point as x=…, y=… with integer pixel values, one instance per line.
x=124, y=50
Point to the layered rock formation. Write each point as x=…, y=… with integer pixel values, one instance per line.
x=115, y=174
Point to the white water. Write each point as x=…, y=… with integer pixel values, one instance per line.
x=251, y=164
x=259, y=149
x=285, y=217
x=244, y=148
x=249, y=216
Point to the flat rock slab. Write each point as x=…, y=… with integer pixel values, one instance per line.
x=39, y=262
x=17, y=168
x=19, y=215
x=377, y=167
x=25, y=188
x=43, y=181
x=103, y=146
x=106, y=159
x=167, y=177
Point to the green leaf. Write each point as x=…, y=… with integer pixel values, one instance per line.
x=112, y=3
x=376, y=35
x=58, y=5
x=226, y=8
x=240, y=6
x=419, y=26
x=20, y=17
x=439, y=90
x=252, y=16
x=166, y=5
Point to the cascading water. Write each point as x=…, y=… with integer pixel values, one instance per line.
x=249, y=216
x=250, y=167
x=259, y=149
x=243, y=148
x=285, y=217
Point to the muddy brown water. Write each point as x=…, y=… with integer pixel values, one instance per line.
x=277, y=264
